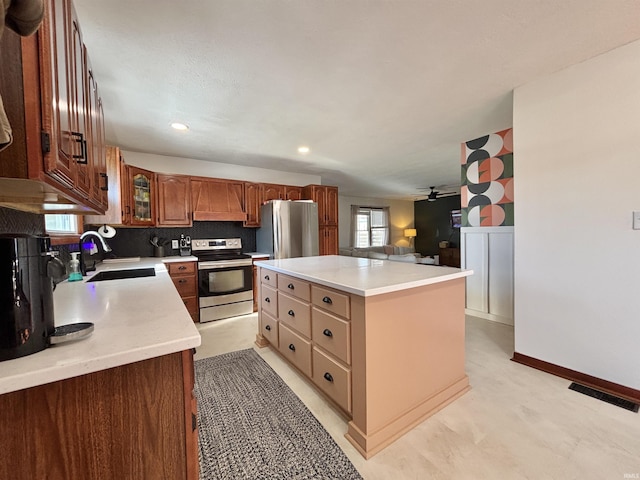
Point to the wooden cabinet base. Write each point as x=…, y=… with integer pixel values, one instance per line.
x=128, y=422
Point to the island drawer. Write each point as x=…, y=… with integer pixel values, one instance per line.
x=269, y=300
x=295, y=313
x=295, y=349
x=269, y=328
x=332, y=378
x=268, y=277
x=332, y=334
x=331, y=300
x=295, y=287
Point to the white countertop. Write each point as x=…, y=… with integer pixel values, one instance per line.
x=257, y=254
x=363, y=276
x=135, y=319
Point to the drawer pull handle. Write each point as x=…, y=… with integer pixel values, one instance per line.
x=290, y=286
x=327, y=300
x=292, y=347
x=291, y=313
x=268, y=327
x=327, y=332
x=182, y=281
x=266, y=277
x=268, y=300
x=328, y=377
x=182, y=267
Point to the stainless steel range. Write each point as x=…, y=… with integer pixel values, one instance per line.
x=225, y=278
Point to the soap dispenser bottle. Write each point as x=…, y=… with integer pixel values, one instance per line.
x=74, y=268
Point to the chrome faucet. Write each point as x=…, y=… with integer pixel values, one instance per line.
x=105, y=248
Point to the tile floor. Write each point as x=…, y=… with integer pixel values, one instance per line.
x=515, y=423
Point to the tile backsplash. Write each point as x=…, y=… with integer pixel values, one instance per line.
x=136, y=242
x=15, y=221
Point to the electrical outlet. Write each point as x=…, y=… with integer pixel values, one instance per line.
x=174, y=244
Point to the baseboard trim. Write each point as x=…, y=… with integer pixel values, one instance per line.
x=578, y=377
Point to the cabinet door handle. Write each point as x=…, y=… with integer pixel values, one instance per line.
x=267, y=299
x=82, y=158
x=327, y=376
x=291, y=313
x=327, y=300
x=266, y=277
x=292, y=347
x=327, y=332
x=268, y=328
x=182, y=267
x=106, y=182
x=290, y=286
x=182, y=280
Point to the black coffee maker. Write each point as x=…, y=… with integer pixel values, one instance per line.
x=27, y=272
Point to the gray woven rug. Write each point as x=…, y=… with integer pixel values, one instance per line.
x=252, y=426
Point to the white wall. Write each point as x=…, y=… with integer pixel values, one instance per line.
x=400, y=211
x=188, y=166
x=577, y=171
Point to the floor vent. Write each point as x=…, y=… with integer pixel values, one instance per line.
x=605, y=397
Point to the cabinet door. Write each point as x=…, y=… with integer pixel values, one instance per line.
x=60, y=164
x=174, y=200
x=141, y=196
x=272, y=191
x=292, y=193
x=252, y=202
x=78, y=105
x=331, y=206
x=95, y=141
x=328, y=240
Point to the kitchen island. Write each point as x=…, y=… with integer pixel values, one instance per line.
x=383, y=341
x=116, y=404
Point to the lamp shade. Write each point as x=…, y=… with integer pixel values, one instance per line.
x=410, y=232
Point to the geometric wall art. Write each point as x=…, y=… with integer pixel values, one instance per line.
x=486, y=193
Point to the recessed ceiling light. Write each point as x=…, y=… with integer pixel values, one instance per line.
x=179, y=126
x=303, y=150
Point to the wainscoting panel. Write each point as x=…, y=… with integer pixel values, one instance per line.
x=488, y=251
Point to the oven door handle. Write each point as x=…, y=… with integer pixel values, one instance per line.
x=223, y=264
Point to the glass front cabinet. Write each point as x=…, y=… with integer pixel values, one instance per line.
x=141, y=203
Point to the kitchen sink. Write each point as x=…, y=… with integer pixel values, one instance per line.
x=120, y=274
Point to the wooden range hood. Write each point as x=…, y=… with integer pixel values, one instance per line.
x=216, y=199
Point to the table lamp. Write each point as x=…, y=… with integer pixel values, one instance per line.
x=411, y=233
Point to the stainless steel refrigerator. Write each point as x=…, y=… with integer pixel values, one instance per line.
x=289, y=229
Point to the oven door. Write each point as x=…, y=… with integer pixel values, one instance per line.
x=222, y=278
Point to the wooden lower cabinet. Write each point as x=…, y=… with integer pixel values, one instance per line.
x=134, y=421
x=185, y=278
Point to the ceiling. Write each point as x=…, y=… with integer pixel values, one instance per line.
x=383, y=92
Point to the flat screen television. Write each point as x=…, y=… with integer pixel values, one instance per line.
x=456, y=218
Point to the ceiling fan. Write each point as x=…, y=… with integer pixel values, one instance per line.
x=435, y=194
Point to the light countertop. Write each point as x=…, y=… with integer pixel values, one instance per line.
x=135, y=319
x=257, y=254
x=363, y=276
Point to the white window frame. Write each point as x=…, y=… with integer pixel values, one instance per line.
x=62, y=224
x=364, y=233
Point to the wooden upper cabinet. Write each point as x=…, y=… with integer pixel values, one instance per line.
x=292, y=193
x=272, y=191
x=252, y=203
x=174, y=200
x=327, y=199
x=215, y=199
x=53, y=102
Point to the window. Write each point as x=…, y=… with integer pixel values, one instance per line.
x=61, y=224
x=370, y=226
